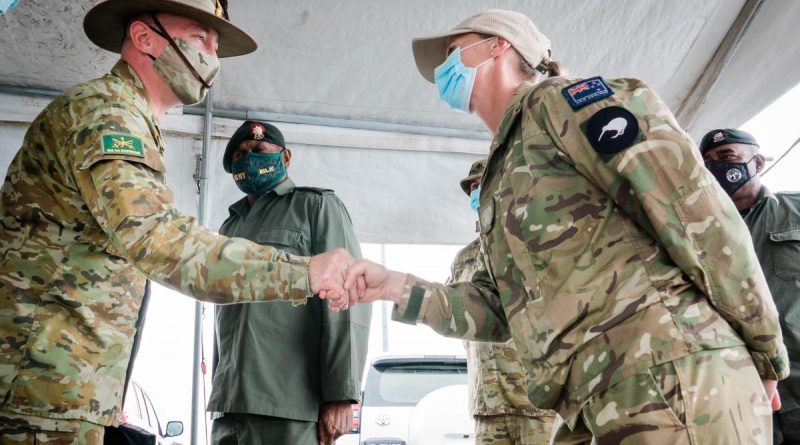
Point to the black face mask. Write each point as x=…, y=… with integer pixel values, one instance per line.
x=730, y=175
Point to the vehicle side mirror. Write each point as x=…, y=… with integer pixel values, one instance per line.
x=174, y=428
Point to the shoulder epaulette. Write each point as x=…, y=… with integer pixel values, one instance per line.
x=318, y=190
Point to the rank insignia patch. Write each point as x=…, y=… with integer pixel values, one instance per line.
x=122, y=144
x=586, y=91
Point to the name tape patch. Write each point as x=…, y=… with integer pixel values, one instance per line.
x=586, y=91
x=122, y=144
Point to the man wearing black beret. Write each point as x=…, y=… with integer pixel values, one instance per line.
x=284, y=374
x=774, y=222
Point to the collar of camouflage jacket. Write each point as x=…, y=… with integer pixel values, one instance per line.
x=511, y=113
x=126, y=72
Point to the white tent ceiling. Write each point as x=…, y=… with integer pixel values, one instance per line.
x=349, y=63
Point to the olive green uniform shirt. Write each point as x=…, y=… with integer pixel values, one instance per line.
x=85, y=218
x=774, y=223
x=603, y=265
x=278, y=359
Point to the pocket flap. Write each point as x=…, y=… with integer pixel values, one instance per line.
x=279, y=236
x=785, y=235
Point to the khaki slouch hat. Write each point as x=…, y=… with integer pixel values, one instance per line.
x=105, y=23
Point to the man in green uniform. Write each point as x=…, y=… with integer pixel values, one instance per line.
x=87, y=218
x=498, y=382
x=625, y=276
x=774, y=221
x=284, y=374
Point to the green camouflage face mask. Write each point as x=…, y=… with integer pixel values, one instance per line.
x=187, y=70
x=257, y=173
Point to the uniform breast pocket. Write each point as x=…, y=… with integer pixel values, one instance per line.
x=785, y=251
x=288, y=240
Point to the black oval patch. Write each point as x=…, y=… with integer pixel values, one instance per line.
x=612, y=130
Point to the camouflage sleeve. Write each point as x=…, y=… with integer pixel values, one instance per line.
x=468, y=310
x=458, y=273
x=659, y=180
x=127, y=195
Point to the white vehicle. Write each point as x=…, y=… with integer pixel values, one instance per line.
x=396, y=384
x=138, y=410
x=442, y=418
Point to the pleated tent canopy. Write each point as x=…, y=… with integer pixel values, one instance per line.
x=339, y=79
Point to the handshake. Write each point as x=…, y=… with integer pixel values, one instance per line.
x=344, y=281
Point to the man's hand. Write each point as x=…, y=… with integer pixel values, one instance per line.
x=335, y=419
x=381, y=283
x=771, y=388
x=326, y=273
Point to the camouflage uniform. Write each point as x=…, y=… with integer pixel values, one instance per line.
x=607, y=266
x=498, y=383
x=86, y=218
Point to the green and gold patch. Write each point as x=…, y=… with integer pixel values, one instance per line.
x=122, y=144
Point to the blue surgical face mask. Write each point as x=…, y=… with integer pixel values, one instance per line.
x=6, y=5
x=475, y=199
x=455, y=81
x=257, y=173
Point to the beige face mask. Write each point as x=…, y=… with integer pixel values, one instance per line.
x=188, y=71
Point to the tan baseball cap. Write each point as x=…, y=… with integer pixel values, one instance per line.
x=517, y=28
x=475, y=173
x=105, y=23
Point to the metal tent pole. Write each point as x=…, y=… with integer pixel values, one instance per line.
x=202, y=218
x=384, y=310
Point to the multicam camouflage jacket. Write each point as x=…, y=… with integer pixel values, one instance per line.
x=86, y=217
x=609, y=249
x=498, y=382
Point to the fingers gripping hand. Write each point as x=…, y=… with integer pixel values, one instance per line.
x=771, y=388
x=326, y=273
x=323, y=435
x=373, y=282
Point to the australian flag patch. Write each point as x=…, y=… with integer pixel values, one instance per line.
x=586, y=91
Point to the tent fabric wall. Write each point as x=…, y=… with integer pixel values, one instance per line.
x=764, y=67
x=353, y=61
x=394, y=195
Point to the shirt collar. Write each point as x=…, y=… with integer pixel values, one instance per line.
x=138, y=94
x=510, y=115
x=284, y=187
x=128, y=75
x=242, y=206
x=764, y=195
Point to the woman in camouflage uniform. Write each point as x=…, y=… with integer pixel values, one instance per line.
x=612, y=258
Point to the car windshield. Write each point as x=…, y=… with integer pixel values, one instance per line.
x=405, y=385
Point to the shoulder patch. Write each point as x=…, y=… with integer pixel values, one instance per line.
x=611, y=130
x=586, y=91
x=122, y=144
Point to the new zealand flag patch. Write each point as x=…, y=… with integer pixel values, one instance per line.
x=586, y=91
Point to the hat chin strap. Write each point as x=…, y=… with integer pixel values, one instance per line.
x=163, y=33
